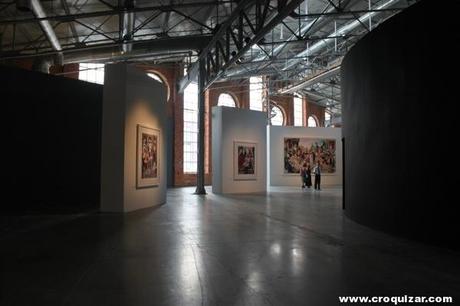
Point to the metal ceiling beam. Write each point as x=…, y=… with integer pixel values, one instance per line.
x=117, y=11
x=141, y=48
x=302, y=30
x=65, y=6
x=227, y=47
x=165, y=24
x=223, y=29
x=350, y=12
x=320, y=96
x=341, y=31
x=313, y=79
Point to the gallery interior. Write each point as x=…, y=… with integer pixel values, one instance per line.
x=229, y=152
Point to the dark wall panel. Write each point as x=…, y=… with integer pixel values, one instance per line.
x=51, y=143
x=400, y=124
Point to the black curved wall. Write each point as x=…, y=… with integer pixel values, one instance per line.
x=400, y=125
x=51, y=144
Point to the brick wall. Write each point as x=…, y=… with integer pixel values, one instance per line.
x=239, y=90
x=26, y=64
x=286, y=103
x=69, y=70
x=314, y=110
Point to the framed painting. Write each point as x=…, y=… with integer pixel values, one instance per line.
x=300, y=151
x=148, y=157
x=244, y=160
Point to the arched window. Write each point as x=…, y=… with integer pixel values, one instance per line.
x=226, y=100
x=298, y=111
x=278, y=118
x=155, y=77
x=256, y=93
x=158, y=78
x=91, y=72
x=312, y=122
x=191, y=128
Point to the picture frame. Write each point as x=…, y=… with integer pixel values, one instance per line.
x=300, y=150
x=148, y=157
x=244, y=160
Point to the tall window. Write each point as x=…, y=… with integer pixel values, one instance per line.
x=327, y=119
x=298, y=111
x=312, y=122
x=256, y=93
x=278, y=118
x=226, y=100
x=190, y=128
x=91, y=72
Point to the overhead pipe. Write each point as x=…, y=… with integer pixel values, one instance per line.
x=325, y=74
x=39, y=12
x=140, y=49
x=127, y=26
x=340, y=32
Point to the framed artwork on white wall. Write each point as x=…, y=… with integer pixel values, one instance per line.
x=148, y=157
x=299, y=151
x=244, y=160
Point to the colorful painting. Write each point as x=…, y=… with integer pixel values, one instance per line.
x=147, y=156
x=245, y=160
x=300, y=151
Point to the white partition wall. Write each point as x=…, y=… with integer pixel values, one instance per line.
x=276, y=136
x=236, y=129
x=134, y=110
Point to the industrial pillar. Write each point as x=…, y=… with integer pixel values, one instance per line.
x=201, y=109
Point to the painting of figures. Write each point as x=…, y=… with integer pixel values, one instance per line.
x=147, y=156
x=245, y=160
x=309, y=151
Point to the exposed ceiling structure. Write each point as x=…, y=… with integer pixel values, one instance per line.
x=296, y=45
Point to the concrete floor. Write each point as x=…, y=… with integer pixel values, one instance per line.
x=285, y=248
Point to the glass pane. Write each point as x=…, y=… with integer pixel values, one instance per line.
x=278, y=119
x=190, y=127
x=91, y=72
x=255, y=93
x=226, y=100
x=298, y=112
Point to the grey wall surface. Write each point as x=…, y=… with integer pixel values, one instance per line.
x=276, y=136
x=130, y=98
x=51, y=133
x=229, y=125
x=400, y=111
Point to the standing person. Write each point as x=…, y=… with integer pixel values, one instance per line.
x=303, y=173
x=308, y=175
x=317, y=172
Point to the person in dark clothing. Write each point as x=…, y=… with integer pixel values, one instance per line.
x=317, y=171
x=303, y=173
x=308, y=176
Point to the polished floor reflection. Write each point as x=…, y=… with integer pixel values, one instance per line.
x=289, y=247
